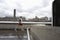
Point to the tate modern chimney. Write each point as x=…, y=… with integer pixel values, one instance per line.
x=14, y=13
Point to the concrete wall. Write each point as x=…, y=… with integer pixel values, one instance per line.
x=56, y=13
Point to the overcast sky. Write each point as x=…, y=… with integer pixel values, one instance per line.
x=27, y=8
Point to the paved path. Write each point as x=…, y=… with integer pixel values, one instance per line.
x=13, y=35
x=12, y=39
x=46, y=32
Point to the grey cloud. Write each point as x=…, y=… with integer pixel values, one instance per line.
x=1, y=1
x=30, y=11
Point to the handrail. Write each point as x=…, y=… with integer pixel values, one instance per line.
x=26, y=22
x=28, y=34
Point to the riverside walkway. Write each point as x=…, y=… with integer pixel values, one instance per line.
x=46, y=32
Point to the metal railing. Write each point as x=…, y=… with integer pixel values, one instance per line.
x=28, y=35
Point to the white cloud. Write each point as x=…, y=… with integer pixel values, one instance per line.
x=26, y=8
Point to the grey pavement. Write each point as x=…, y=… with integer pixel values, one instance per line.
x=12, y=39
x=46, y=32
x=13, y=35
x=39, y=32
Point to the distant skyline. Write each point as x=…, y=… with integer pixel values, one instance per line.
x=26, y=8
